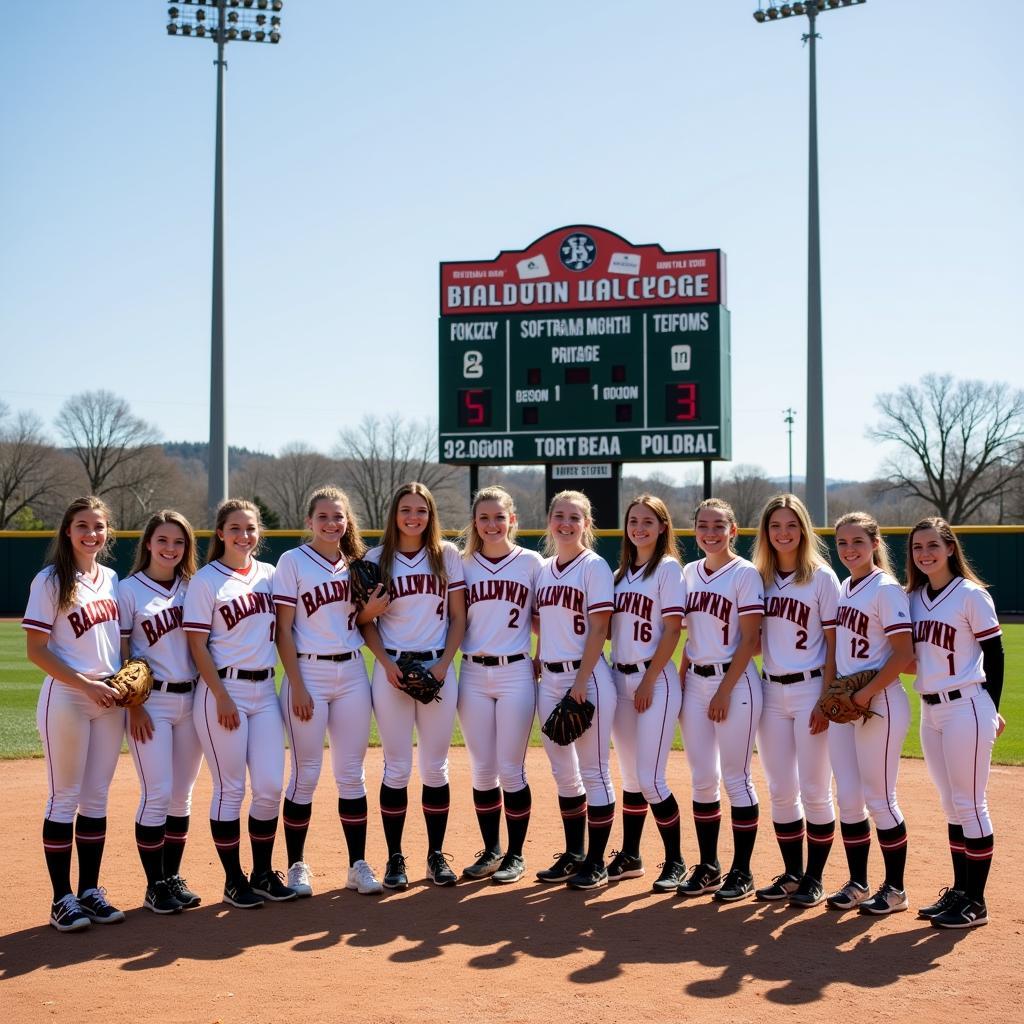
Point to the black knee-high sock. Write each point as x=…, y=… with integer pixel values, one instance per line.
x=436, y=802
x=487, y=803
x=634, y=814
x=600, y=818
x=352, y=814
x=666, y=817
x=790, y=837
x=393, y=806
x=150, y=841
x=57, y=842
x=574, y=822
x=958, y=854
x=226, y=838
x=90, y=836
x=744, y=835
x=175, y=837
x=819, y=844
x=707, y=820
x=893, y=842
x=979, y=861
x=857, y=843
x=261, y=837
x=296, y=826
x=518, y=806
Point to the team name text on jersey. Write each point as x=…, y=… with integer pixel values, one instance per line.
x=92, y=614
x=162, y=623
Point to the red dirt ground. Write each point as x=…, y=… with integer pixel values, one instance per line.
x=481, y=953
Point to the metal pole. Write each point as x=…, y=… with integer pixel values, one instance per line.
x=790, y=416
x=816, y=498
x=707, y=478
x=474, y=481
x=218, y=452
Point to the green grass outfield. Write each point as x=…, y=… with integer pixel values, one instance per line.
x=20, y=681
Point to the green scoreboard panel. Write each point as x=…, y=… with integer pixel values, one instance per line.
x=570, y=351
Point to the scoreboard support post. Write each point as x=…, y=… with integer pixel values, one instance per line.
x=602, y=484
x=707, y=478
x=474, y=480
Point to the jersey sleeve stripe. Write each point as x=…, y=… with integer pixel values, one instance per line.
x=43, y=627
x=751, y=609
x=899, y=627
x=196, y=627
x=281, y=599
x=986, y=633
x=603, y=606
x=457, y=585
x=673, y=610
x=826, y=623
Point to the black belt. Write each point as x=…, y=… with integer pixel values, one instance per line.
x=186, y=687
x=629, y=670
x=493, y=659
x=345, y=656
x=796, y=677
x=253, y=675
x=711, y=670
x=934, y=698
x=417, y=655
x=562, y=666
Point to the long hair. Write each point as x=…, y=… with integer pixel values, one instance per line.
x=582, y=502
x=432, y=539
x=61, y=555
x=666, y=544
x=958, y=562
x=224, y=510
x=186, y=568
x=351, y=544
x=811, y=552
x=471, y=542
x=880, y=556
x=719, y=505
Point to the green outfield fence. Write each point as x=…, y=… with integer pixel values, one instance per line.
x=997, y=553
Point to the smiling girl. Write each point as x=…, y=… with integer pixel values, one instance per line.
x=873, y=632
x=72, y=634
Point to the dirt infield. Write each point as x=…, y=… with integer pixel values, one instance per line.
x=480, y=953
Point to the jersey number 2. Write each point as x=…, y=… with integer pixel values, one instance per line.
x=513, y=618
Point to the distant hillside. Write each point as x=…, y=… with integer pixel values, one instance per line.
x=199, y=451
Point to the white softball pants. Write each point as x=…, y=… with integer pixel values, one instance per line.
x=168, y=762
x=497, y=705
x=582, y=767
x=957, y=740
x=796, y=763
x=257, y=744
x=720, y=752
x=341, y=711
x=643, y=739
x=81, y=743
x=397, y=714
x=866, y=760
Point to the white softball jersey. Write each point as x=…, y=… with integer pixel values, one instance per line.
x=796, y=616
x=151, y=618
x=640, y=605
x=417, y=617
x=870, y=611
x=948, y=630
x=319, y=591
x=499, y=596
x=566, y=596
x=715, y=601
x=237, y=610
x=85, y=636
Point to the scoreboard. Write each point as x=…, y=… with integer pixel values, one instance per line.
x=584, y=347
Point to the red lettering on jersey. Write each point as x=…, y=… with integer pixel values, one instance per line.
x=634, y=604
x=852, y=619
x=559, y=594
x=717, y=605
x=499, y=590
x=162, y=623
x=939, y=634
x=242, y=607
x=418, y=583
x=92, y=614
x=324, y=593
x=788, y=608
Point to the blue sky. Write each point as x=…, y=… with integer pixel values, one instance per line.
x=379, y=139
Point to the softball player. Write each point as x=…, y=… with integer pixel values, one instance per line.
x=231, y=623
x=72, y=635
x=161, y=734
x=649, y=599
x=497, y=691
x=721, y=699
x=575, y=596
x=421, y=611
x=798, y=641
x=958, y=644
x=873, y=632
x=325, y=691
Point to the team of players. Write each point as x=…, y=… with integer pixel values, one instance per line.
x=213, y=635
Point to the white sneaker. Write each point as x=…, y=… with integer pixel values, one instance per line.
x=299, y=879
x=362, y=879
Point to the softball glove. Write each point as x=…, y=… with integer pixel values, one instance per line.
x=132, y=683
x=364, y=579
x=568, y=721
x=837, y=704
x=418, y=682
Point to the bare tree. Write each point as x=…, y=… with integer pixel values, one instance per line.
x=382, y=454
x=26, y=461
x=746, y=488
x=289, y=479
x=958, y=441
x=114, y=447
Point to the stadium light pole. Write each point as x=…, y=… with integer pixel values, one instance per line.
x=817, y=500
x=788, y=416
x=246, y=21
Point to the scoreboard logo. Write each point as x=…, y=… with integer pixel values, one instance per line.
x=577, y=252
